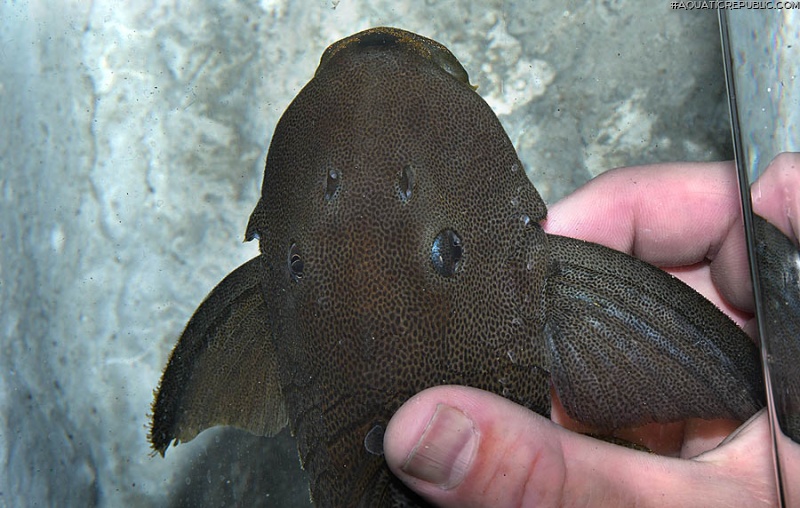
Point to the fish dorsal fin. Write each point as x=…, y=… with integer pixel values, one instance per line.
x=223, y=371
x=631, y=344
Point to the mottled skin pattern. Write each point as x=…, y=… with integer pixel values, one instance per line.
x=401, y=248
x=778, y=259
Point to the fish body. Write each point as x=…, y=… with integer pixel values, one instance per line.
x=402, y=248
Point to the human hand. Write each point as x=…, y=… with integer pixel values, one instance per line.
x=473, y=448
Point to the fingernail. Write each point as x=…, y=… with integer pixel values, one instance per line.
x=444, y=453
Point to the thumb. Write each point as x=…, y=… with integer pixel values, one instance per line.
x=459, y=446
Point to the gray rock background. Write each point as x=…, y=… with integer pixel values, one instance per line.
x=132, y=143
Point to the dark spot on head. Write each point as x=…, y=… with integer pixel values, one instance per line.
x=295, y=262
x=332, y=180
x=405, y=184
x=446, y=253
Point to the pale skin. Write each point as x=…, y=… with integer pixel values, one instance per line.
x=682, y=216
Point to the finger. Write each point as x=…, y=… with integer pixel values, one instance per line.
x=666, y=214
x=745, y=458
x=790, y=469
x=460, y=446
x=671, y=215
x=776, y=194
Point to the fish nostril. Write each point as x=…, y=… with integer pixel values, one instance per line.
x=406, y=182
x=446, y=253
x=296, y=264
x=332, y=180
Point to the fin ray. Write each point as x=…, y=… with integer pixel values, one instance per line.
x=223, y=371
x=624, y=352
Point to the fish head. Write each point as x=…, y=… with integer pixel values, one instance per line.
x=400, y=236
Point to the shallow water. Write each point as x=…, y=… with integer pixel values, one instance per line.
x=131, y=154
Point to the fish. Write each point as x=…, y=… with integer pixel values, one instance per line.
x=401, y=247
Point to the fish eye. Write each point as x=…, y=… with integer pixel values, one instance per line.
x=295, y=262
x=446, y=253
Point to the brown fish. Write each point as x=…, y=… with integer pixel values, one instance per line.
x=401, y=248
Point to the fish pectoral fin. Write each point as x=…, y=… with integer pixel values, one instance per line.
x=779, y=273
x=223, y=371
x=631, y=344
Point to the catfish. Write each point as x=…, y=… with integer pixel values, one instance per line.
x=401, y=247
